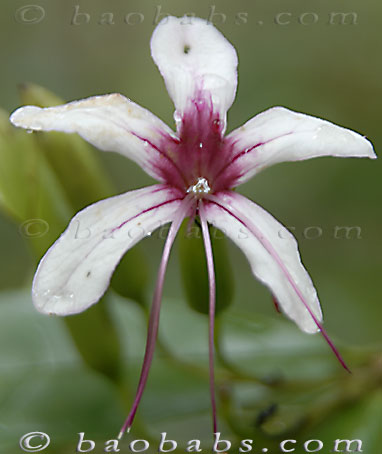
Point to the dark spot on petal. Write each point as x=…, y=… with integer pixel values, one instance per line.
x=88, y=274
x=186, y=49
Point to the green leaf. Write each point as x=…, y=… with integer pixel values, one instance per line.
x=43, y=382
x=97, y=340
x=131, y=276
x=359, y=420
x=36, y=95
x=194, y=269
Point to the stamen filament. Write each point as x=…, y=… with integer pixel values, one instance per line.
x=212, y=296
x=155, y=312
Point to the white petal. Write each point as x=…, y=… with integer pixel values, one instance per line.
x=193, y=56
x=279, y=135
x=109, y=122
x=76, y=270
x=272, y=253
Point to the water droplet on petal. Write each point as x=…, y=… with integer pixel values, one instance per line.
x=216, y=125
x=317, y=133
x=177, y=118
x=64, y=296
x=200, y=145
x=174, y=137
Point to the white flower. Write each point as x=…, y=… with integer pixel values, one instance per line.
x=197, y=167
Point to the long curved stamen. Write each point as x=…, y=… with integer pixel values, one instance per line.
x=212, y=295
x=155, y=313
x=268, y=246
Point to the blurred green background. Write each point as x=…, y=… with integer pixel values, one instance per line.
x=64, y=377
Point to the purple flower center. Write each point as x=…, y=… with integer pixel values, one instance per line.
x=198, y=159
